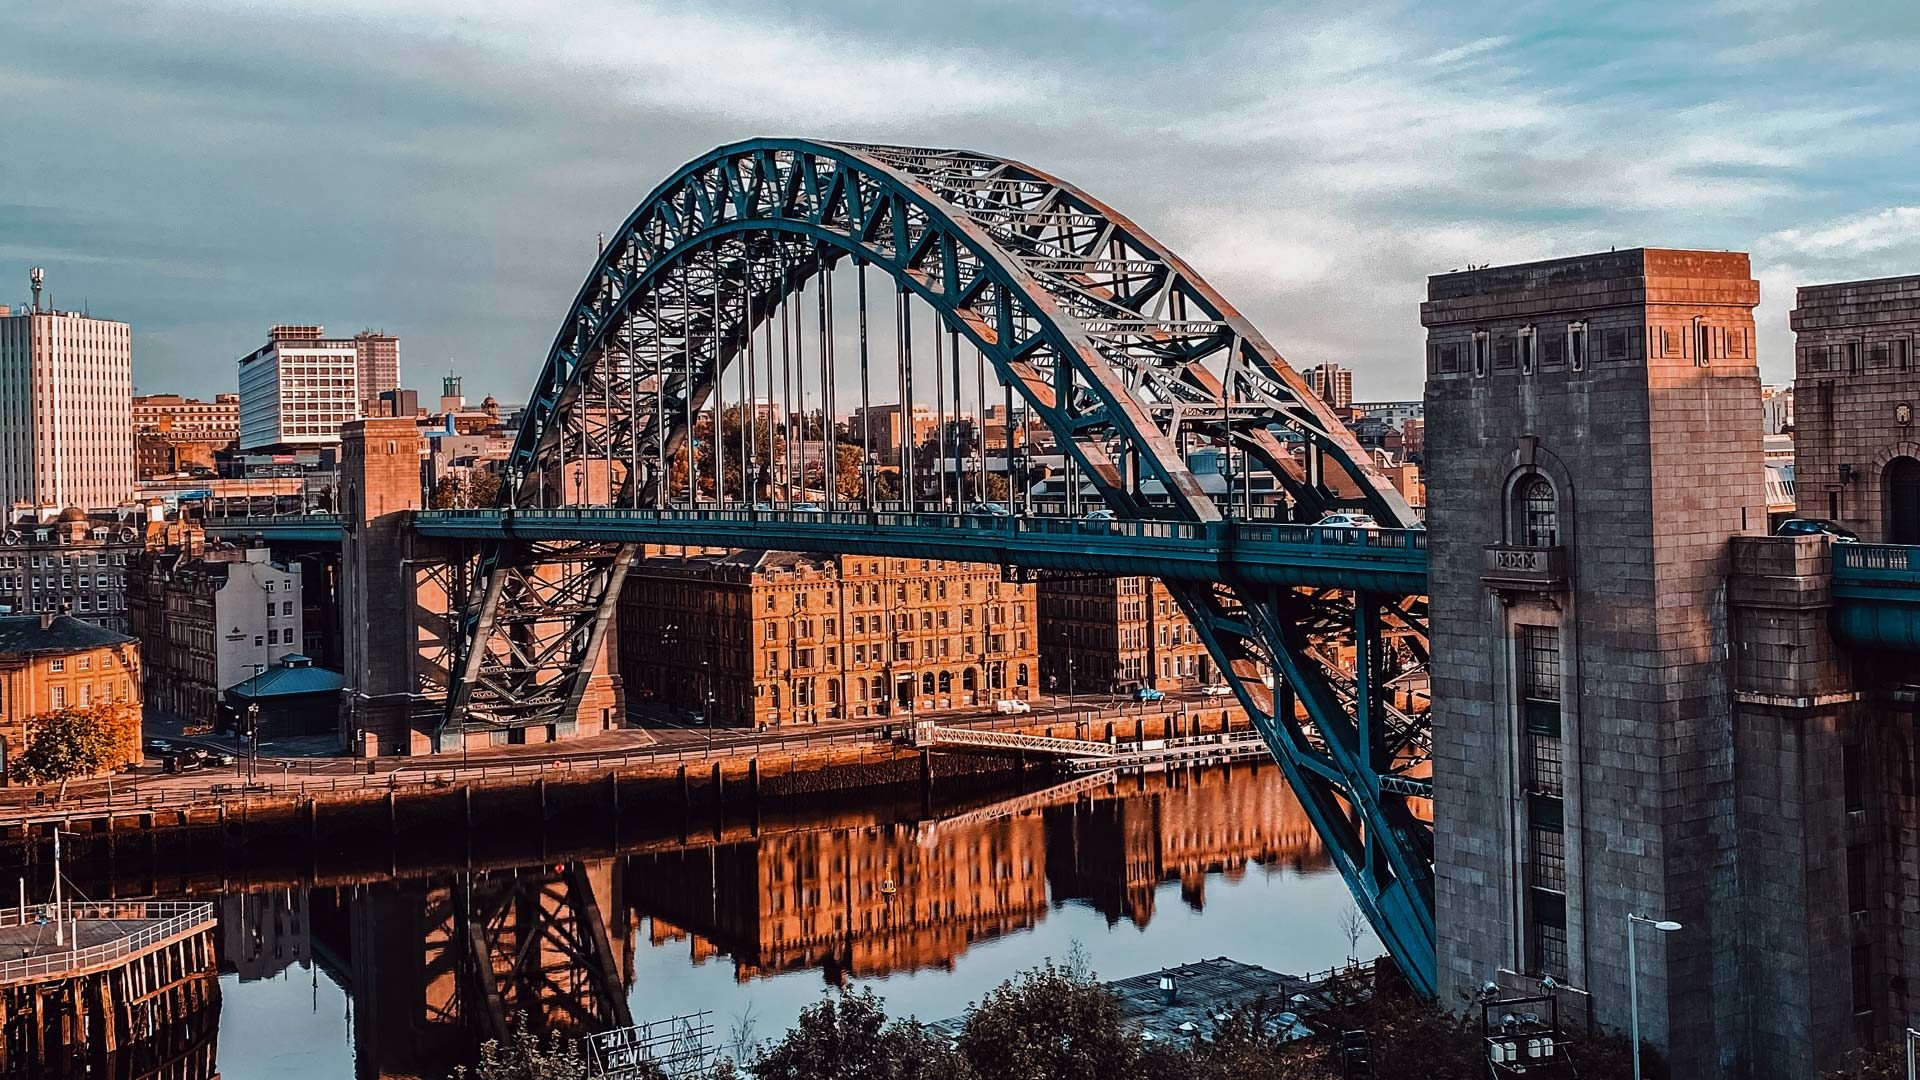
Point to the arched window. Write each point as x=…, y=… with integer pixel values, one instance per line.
x=1536, y=513
x=946, y=682
x=969, y=680
x=926, y=684
x=1901, y=489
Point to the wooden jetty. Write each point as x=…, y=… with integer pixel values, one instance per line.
x=101, y=979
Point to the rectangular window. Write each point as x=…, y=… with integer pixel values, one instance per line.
x=57, y=664
x=1548, y=944
x=1850, y=357
x=1702, y=345
x=57, y=697
x=1529, y=357
x=1859, y=883
x=1482, y=346
x=1503, y=353
x=1553, y=352
x=1903, y=354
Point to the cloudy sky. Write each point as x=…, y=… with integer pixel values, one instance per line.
x=205, y=168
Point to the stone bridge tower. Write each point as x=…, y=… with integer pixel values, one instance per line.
x=379, y=486
x=1594, y=441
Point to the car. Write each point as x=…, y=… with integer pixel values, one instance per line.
x=1102, y=514
x=1345, y=520
x=807, y=508
x=1817, y=527
x=1011, y=705
x=159, y=746
x=1148, y=693
x=989, y=509
x=1215, y=690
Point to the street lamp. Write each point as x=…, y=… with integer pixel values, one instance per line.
x=1665, y=926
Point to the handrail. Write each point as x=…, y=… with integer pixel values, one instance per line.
x=1899, y=557
x=180, y=917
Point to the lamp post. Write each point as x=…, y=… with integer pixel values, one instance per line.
x=1665, y=926
x=1912, y=1036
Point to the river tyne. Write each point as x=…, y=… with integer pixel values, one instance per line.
x=339, y=969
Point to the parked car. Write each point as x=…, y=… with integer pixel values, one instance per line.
x=158, y=746
x=1215, y=690
x=1345, y=520
x=1011, y=705
x=1148, y=693
x=1817, y=527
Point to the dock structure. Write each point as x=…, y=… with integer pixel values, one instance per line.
x=87, y=981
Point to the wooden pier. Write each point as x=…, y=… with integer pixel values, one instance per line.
x=126, y=972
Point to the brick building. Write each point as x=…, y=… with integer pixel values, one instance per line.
x=74, y=564
x=1116, y=634
x=50, y=662
x=1856, y=453
x=767, y=637
x=174, y=434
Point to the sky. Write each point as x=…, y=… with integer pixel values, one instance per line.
x=204, y=169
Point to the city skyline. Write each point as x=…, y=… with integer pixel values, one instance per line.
x=1348, y=157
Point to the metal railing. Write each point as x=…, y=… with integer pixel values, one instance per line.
x=162, y=921
x=1900, y=557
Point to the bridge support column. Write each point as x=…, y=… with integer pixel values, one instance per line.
x=379, y=484
x=1802, y=743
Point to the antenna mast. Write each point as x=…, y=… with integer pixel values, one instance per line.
x=38, y=277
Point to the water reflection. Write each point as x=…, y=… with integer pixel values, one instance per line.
x=407, y=975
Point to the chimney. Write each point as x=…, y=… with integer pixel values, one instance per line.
x=46, y=620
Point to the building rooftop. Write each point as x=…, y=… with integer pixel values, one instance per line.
x=27, y=635
x=295, y=675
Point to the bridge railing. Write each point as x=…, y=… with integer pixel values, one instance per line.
x=157, y=923
x=1900, y=557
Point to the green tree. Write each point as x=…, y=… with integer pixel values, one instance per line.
x=846, y=1036
x=446, y=493
x=1051, y=1023
x=483, y=488
x=80, y=741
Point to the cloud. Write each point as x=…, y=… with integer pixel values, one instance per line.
x=441, y=167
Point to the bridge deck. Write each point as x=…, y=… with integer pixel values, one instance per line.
x=1383, y=560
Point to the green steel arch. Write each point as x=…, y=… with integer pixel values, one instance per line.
x=1125, y=353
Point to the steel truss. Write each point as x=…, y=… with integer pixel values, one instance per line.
x=1127, y=356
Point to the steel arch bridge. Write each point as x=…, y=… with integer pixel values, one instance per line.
x=1129, y=359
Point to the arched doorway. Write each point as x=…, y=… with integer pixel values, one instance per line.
x=1901, y=485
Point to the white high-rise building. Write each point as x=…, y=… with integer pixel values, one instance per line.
x=298, y=389
x=66, y=408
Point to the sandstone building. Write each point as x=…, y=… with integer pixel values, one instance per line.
x=763, y=637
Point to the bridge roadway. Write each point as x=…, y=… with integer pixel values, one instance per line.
x=1876, y=587
x=1268, y=553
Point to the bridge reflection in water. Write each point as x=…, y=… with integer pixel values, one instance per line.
x=435, y=961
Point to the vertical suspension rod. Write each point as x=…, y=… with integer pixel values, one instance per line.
x=866, y=395
x=904, y=304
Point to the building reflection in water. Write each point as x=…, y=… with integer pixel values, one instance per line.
x=435, y=964
x=870, y=901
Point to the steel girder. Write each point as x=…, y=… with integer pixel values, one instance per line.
x=1115, y=343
